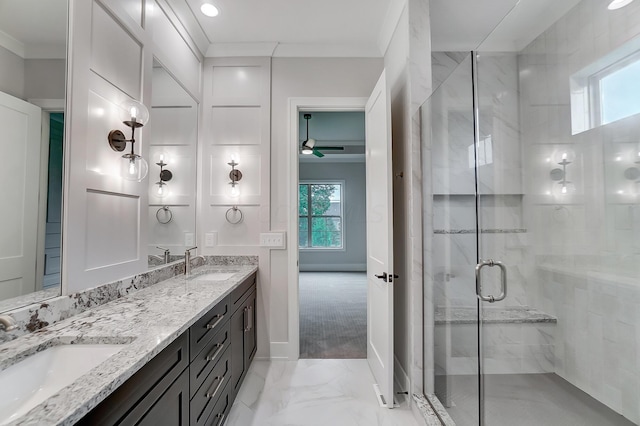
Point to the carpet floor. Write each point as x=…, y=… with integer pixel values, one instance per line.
x=333, y=315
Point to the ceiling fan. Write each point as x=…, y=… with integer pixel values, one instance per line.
x=309, y=145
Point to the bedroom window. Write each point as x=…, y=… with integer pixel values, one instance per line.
x=320, y=224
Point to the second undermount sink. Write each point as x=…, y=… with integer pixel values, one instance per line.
x=31, y=381
x=216, y=276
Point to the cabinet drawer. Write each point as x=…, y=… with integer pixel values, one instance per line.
x=207, y=326
x=204, y=401
x=237, y=296
x=208, y=358
x=221, y=409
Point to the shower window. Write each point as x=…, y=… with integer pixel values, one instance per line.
x=320, y=215
x=616, y=91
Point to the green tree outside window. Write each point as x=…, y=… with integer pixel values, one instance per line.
x=320, y=215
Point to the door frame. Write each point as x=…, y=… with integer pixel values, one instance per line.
x=48, y=107
x=296, y=105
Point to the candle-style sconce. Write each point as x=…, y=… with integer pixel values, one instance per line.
x=165, y=176
x=559, y=175
x=235, y=175
x=133, y=166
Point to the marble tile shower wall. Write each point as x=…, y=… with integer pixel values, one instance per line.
x=585, y=243
x=503, y=233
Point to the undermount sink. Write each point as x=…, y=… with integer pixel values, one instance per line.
x=31, y=381
x=216, y=276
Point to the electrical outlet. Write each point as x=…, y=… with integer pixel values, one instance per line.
x=189, y=239
x=211, y=239
x=273, y=240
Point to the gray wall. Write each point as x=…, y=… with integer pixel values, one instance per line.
x=354, y=255
x=44, y=79
x=11, y=73
x=31, y=78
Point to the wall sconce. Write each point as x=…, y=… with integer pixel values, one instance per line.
x=165, y=176
x=564, y=158
x=133, y=166
x=235, y=176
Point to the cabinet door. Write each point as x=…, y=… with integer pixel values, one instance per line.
x=144, y=388
x=250, y=331
x=237, y=324
x=172, y=409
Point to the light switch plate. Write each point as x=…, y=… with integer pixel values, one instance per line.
x=274, y=240
x=189, y=239
x=211, y=239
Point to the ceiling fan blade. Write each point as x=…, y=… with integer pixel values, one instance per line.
x=318, y=153
x=330, y=148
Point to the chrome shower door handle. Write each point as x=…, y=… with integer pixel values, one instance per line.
x=503, y=281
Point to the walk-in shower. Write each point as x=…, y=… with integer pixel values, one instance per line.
x=531, y=153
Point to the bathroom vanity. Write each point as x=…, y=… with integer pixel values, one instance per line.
x=187, y=344
x=195, y=379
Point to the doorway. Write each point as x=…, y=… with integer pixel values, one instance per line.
x=332, y=235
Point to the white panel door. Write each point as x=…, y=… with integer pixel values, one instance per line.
x=380, y=239
x=20, y=182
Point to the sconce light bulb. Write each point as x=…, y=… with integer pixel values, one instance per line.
x=134, y=113
x=161, y=191
x=564, y=156
x=235, y=191
x=564, y=189
x=133, y=170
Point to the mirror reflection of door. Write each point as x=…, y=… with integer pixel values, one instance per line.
x=33, y=51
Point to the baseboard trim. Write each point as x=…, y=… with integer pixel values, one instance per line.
x=279, y=350
x=333, y=267
x=400, y=376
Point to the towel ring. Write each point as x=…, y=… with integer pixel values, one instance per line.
x=235, y=211
x=168, y=215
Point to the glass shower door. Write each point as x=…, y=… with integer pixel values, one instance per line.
x=452, y=235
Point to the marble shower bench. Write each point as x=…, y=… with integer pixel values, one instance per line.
x=516, y=340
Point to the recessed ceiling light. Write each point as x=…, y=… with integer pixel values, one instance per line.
x=209, y=10
x=617, y=4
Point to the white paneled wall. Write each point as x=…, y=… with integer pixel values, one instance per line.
x=112, y=45
x=236, y=125
x=236, y=114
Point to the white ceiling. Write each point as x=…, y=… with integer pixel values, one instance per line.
x=294, y=27
x=34, y=28
x=503, y=25
x=359, y=28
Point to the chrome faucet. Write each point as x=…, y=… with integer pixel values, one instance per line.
x=7, y=322
x=187, y=260
x=166, y=254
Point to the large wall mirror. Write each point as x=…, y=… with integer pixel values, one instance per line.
x=172, y=169
x=33, y=48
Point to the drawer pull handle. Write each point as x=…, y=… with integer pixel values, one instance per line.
x=216, y=352
x=220, y=381
x=222, y=416
x=248, y=311
x=214, y=324
x=246, y=319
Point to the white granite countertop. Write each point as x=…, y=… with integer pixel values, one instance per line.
x=150, y=319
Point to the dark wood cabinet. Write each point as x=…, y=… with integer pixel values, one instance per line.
x=195, y=379
x=243, y=338
x=139, y=396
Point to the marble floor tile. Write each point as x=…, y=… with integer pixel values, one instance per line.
x=336, y=392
